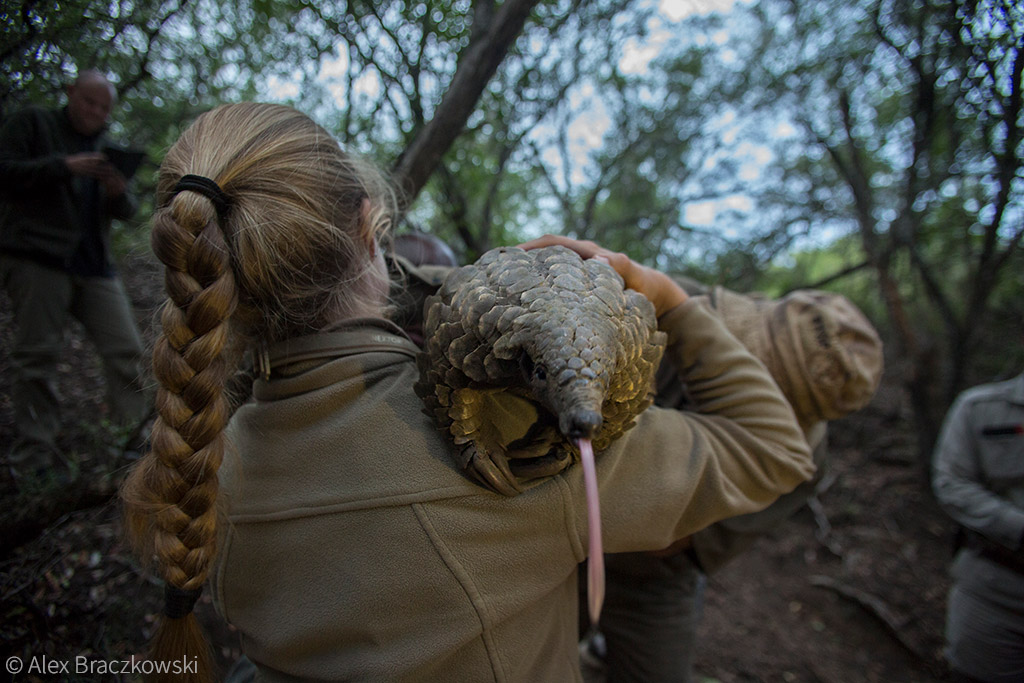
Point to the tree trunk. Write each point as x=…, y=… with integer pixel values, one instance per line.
x=476, y=67
x=920, y=369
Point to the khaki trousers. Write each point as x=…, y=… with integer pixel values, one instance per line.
x=42, y=298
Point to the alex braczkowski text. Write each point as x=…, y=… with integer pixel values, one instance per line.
x=138, y=667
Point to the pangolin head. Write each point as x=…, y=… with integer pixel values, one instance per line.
x=560, y=330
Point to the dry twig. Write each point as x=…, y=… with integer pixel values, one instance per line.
x=875, y=606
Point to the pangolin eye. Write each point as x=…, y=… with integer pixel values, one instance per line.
x=531, y=371
x=526, y=366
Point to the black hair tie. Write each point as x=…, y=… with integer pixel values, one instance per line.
x=207, y=188
x=179, y=602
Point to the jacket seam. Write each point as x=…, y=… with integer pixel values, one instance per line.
x=219, y=579
x=353, y=505
x=466, y=582
x=571, y=518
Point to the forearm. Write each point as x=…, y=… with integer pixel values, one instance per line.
x=720, y=543
x=735, y=453
x=976, y=508
x=731, y=389
x=960, y=485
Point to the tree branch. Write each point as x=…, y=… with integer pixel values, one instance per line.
x=477, y=65
x=834, y=277
x=141, y=73
x=877, y=608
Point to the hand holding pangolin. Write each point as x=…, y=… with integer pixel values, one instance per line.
x=534, y=358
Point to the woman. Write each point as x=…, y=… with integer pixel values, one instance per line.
x=343, y=542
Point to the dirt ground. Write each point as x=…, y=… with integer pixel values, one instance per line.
x=851, y=590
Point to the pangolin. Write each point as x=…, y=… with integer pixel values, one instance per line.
x=533, y=359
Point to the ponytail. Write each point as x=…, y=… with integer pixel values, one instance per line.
x=171, y=495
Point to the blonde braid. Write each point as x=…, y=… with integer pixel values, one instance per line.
x=176, y=518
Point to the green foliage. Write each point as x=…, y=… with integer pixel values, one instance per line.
x=490, y=189
x=372, y=72
x=839, y=267
x=887, y=133
x=655, y=152
x=33, y=62
x=905, y=135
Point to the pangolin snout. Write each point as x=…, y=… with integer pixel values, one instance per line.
x=580, y=424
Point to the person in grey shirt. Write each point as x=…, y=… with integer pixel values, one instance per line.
x=978, y=479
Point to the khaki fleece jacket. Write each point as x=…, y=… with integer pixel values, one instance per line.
x=355, y=550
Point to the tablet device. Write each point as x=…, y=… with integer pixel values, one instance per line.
x=127, y=161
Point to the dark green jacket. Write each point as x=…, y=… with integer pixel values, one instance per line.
x=41, y=210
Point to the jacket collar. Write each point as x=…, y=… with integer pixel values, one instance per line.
x=350, y=337
x=303, y=364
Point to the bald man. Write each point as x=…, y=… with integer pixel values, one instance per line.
x=58, y=195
